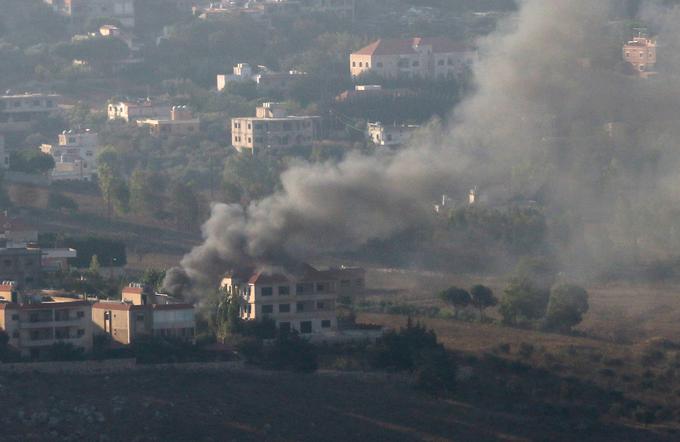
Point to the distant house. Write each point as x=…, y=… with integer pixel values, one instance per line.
x=131, y=111
x=19, y=111
x=140, y=312
x=273, y=129
x=75, y=155
x=180, y=123
x=640, y=54
x=427, y=58
x=302, y=299
x=390, y=135
x=262, y=76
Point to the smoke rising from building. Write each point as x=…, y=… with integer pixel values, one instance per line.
x=553, y=113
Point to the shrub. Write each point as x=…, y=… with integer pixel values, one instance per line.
x=63, y=351
x=566, y=306
x=291, y=352
x=526, y=350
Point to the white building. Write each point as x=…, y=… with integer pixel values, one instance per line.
x=131, y=111
x=75, y=156
x=262, y=76
x=390, y=136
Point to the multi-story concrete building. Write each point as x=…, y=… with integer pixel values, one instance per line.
x=21, y=264
x=273, y=129
x=143, y=313
x=75, y=155
x=180, y=123
x=18, y=112
x=82, y=10
x=302, y=299
x=390, y=135
x=34, y=325
x=131, y=111
x=429, y=58
x=640, y=53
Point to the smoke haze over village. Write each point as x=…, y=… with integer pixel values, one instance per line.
x=549, y=101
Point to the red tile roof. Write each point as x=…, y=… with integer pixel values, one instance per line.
x=391, y=46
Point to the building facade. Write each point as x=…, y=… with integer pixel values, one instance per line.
x=21, y=264
x=33, y=328
x=390, y=135
x=273, y=129
x=640, y=54
x=131, y=111
x=75, y=155
x=19, y=112
x=142, y=313
x=180, y=123
x=427, y=58
x=303, y=300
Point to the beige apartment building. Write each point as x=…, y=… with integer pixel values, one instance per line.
x=181, y=123
x=640, y=53
x=302, y=300
x=35, y=324
x=273, y=129
x=428, y=58
x=143, y=313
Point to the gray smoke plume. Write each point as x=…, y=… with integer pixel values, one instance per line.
x=553, y=112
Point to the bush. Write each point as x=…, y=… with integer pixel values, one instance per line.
x=415, y=349
x=526, y=350
x=566, y=307
x=291, y=352
x=160, y=350
x=63, y=351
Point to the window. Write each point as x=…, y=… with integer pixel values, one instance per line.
x=15, y=334
x=284, y=308
x=320, y=287
x=441, y=62
x=284, y=326
x=267, y=291
x=80, y=315
x=354, y=64
x=305, y=327
x=284, y=290
x=140, y=317
x=344, y=283
x=361, y=64
x=267, y=308
x=15, y=317
x=300, y=307
x=320, y=305
x=81, y=332
x=61, y=315
x=8, y=263
x=450, y=62
x=326, y=323
x=379, y=64
x=415, y=64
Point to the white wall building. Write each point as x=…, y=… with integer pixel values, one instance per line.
x=390, y=136
x=75, y=155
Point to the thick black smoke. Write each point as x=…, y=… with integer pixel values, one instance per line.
x=553, y=112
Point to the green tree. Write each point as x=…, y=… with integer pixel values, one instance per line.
x=106, y=179
x=31, y=161
x=94, y=268
x=58, y=201
x=523, y=301
x=482, y=297
x=184, y=205
x=457, y=297
x=566, y=307
x=153, y=278
x=143, y=196
x=121, y=197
